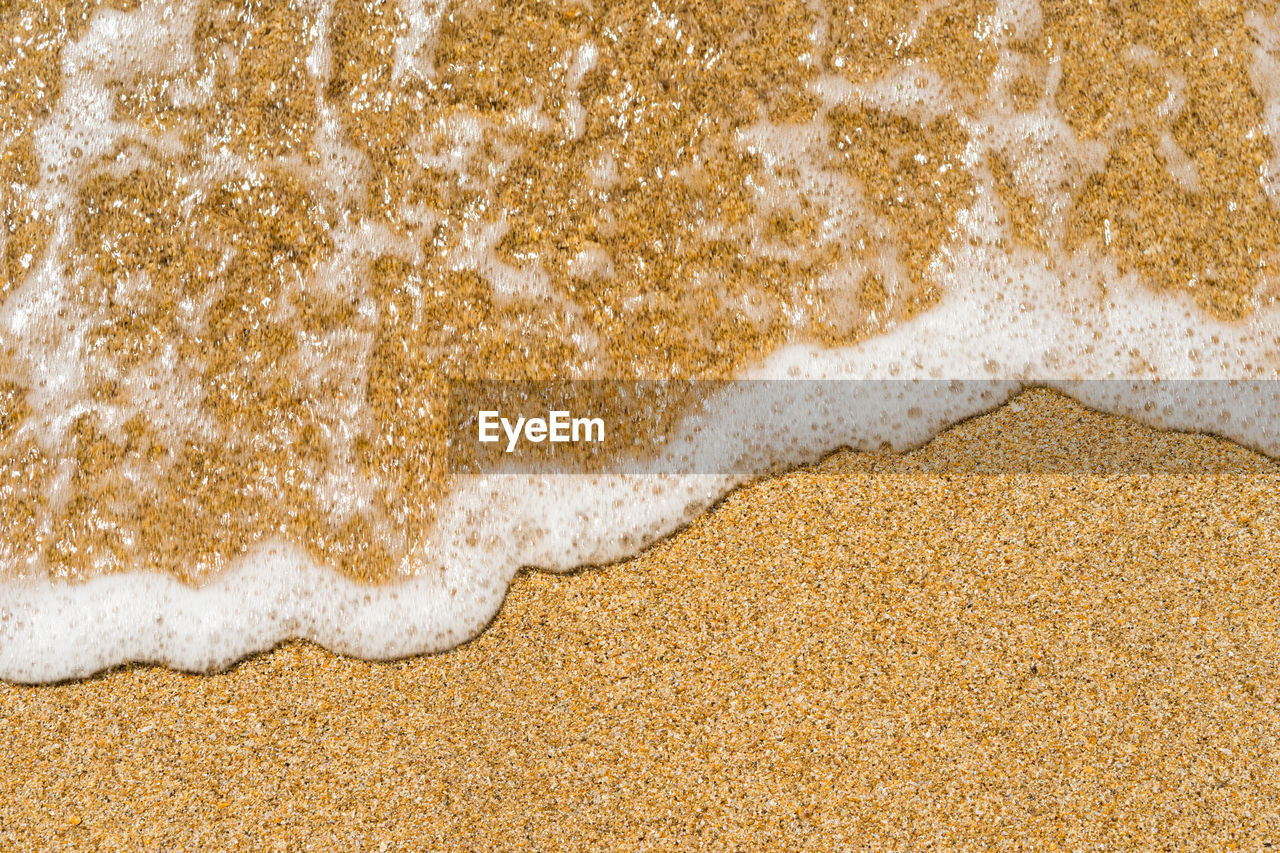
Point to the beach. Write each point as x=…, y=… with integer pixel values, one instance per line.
x=874, y=653
x=253, y=253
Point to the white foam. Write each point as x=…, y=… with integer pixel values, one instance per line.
x=1007, y=315
x=414, y=50
x=492, y=525
x=53, y=632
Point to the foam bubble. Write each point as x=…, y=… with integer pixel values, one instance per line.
x=495, y=524
x=1009, y=313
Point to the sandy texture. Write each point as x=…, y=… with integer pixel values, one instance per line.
x=876, y=653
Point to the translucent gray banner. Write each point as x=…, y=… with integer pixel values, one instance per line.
x=753, y=426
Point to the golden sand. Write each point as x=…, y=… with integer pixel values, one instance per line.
x=872, y=653
x=876, y=653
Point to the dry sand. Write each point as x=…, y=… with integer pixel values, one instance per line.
x=875, y=653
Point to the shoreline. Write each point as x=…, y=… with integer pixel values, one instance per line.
x=849, y=654
x=277, y=592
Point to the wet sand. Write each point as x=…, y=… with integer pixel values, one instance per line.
x=874, y=653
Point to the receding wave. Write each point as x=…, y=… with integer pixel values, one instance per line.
x=249, y=247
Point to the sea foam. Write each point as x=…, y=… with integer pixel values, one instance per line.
x=1009, y=316
x=493, y=525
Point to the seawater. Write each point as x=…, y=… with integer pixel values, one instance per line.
x=247, y=247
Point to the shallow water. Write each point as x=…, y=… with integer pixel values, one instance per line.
x=249, y=246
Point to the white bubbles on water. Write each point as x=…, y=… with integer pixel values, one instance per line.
x=1007, y=313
